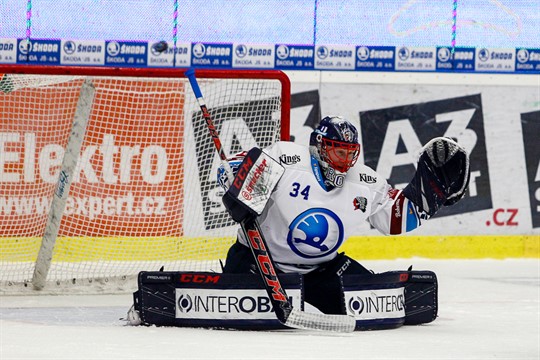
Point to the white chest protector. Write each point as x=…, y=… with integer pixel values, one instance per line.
x=305, y=225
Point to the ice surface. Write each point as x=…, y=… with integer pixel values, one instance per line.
x=489, y=309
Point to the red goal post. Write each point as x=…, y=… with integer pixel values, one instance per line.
x=106, y=172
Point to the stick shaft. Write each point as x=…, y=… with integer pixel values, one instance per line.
x=251, y=229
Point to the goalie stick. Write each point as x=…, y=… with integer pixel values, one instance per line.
x=285, y=313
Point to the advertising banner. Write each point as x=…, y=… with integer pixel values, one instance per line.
x=498, y=125
x=123, y=175
x=240, y=55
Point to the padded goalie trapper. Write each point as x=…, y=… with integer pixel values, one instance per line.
x=205, y=299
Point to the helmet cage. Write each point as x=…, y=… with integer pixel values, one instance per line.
x=340, y=155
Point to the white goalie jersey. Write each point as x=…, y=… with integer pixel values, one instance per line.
x=304, y=225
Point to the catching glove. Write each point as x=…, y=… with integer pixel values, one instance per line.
x=442, y=176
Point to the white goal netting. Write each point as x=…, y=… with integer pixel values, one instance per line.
x=143, y=193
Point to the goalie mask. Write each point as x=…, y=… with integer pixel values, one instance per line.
x=334, y=144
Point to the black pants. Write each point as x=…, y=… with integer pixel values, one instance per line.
x=322, y=287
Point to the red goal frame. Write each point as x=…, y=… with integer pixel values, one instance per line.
x=166, y=73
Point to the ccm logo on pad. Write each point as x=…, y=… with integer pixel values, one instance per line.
x=199, y=278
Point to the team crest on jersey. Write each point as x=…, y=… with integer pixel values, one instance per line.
x=360, y=203
x=315, y=233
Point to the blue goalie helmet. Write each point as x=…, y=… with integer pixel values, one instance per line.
x=334, y=143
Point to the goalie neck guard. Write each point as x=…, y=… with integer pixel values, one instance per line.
x=334, y=144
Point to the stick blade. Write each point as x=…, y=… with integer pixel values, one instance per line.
x=323, y=322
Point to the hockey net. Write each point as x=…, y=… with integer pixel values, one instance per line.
x=143, y=193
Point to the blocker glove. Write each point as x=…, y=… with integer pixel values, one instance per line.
x=255, y=179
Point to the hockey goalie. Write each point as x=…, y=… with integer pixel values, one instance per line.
x=317, y=199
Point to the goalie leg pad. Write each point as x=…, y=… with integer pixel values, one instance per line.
x=239, y=301
x=421, y=297
x=391, y=299
x=210, y=300
x=377, y=301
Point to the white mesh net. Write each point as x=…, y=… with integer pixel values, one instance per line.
x=144, y=193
